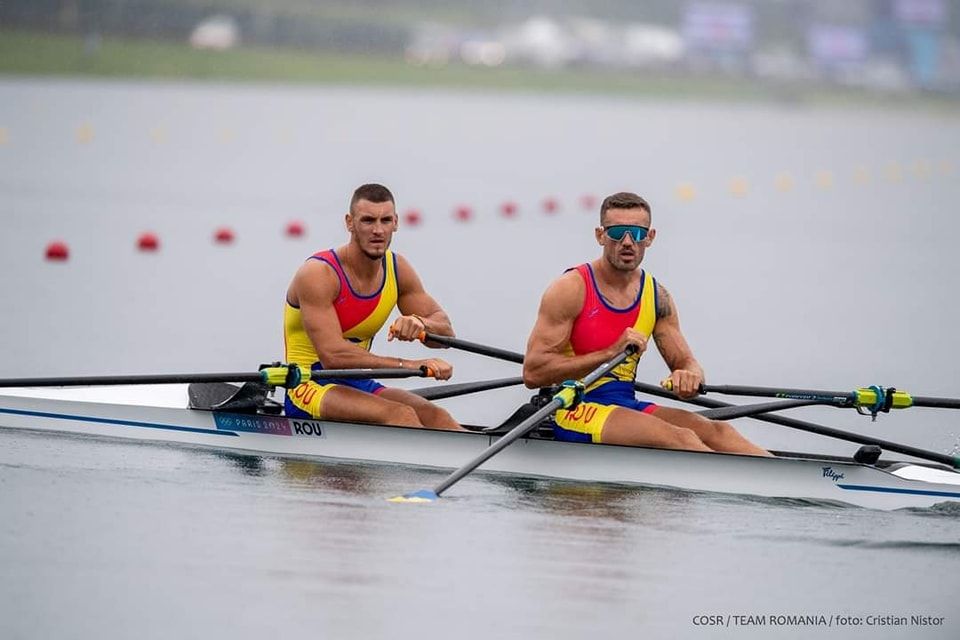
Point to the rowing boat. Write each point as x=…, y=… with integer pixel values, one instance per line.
x=158, y=413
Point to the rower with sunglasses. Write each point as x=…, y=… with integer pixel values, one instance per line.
x=590, y=314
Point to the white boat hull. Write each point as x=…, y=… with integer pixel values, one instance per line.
x=842, y=481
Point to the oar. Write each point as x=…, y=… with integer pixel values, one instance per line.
x=452, y=390
x=801, y=425
x=473, y=347
x=874, y=398
x=754, y=410
x=513, y=356
x=569, y=393
x=288, y=376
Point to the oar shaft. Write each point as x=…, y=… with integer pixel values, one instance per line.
x=752, y=410
x=473, y=347
x=863, y=397
x=453, y=390
x=833, y=397
x=519, y=431
x=361, y=374
x=91, y=381
x=559, y=400
x=933, y=456
x=187, y=378
x=939, y=403
x=801, y=425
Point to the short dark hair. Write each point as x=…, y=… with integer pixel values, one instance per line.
x=372, y=192
x=623, y=200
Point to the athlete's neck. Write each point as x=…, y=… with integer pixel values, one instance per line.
x=615, y=278
x=360, y=264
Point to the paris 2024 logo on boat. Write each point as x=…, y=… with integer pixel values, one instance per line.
x=268, y=424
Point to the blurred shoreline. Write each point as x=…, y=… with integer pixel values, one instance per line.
x=25, y=53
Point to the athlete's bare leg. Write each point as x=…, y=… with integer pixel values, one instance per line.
x=429, y=414
x=346, y=403
x=717, y=435
x=638, y=429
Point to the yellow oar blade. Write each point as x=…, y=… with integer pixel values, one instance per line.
x=424, y=495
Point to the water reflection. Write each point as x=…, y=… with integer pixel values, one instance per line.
x=347, y=477
x=247, y=464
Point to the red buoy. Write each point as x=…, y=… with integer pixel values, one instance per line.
x=508, y=209
x=296, y=229
x=412, y=217
x=550, y=205
x=463, y=213
x=148, y=241
x=58, y=251
x=223, y=235
x=588, y=202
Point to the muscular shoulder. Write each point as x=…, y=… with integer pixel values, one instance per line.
x=563, y=299
x=315, y=281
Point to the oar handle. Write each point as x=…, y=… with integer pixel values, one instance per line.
x=668, y=385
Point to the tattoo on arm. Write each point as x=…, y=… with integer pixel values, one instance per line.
x=664, y=302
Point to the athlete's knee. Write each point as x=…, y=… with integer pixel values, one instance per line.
x=720, y=431
x=403, y=415
x=687, y=439
x=397, y=413
x=434, y=416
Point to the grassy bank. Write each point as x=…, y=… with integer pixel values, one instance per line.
x=44, y=54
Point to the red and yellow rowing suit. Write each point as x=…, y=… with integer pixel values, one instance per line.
x=361, y=317
x=596, y=327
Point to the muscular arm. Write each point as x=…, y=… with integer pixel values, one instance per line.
x=545, y=362
x=315, y=287
x=413, y=299
x=669, y=339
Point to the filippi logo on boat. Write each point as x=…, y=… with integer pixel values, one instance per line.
x=828, y=472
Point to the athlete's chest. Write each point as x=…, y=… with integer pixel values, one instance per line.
x=621, y=296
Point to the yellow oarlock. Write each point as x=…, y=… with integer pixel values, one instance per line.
x=280, y=376
x=866, y=397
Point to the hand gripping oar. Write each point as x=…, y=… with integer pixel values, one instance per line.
x=569, y=395
x=288, y=376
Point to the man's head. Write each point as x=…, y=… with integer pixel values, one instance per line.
x=625, y=231
x=372, y=219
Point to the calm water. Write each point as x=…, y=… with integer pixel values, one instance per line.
x=834, y=267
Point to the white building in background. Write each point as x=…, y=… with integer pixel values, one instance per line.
x=540, y=41
x=646, y=45
x=216, y=33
